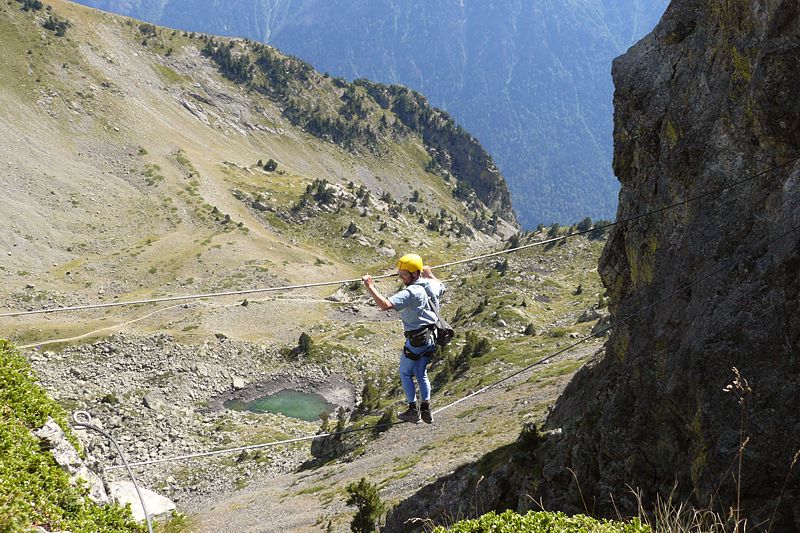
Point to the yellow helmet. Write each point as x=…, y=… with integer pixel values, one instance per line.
x=410, y=262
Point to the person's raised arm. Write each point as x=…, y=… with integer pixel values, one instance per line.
x=382, y=303
x=428, y=273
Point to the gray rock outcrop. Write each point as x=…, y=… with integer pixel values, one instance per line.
x=53, y=438
x=708, y=99
x=124, y=492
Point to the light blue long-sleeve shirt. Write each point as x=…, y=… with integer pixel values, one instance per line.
x=411, y=304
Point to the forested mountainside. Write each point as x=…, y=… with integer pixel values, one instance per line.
x=529, y=78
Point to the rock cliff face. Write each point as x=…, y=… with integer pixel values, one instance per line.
x=709, y=98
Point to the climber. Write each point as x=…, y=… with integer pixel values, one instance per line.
x=418, y=305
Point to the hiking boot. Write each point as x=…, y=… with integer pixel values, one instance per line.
x=410, y=415
x=425, y=413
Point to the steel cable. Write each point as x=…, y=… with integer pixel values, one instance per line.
x=471, y=395
x=82, y=419
x=342, y=282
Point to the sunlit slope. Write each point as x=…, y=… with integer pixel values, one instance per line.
x=130, y=169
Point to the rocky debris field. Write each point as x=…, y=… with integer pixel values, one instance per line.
x=160, y=398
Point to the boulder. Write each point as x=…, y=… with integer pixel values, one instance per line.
x=602, y=324
x=52, y=438
x=591, y=314
x=152, y=401
x=328, y=447
x=124, y=492
x=387, y=251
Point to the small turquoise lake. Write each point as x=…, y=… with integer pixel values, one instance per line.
x=292, y=403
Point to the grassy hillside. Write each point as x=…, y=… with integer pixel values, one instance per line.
x=131, y=169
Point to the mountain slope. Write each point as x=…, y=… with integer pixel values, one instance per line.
x=131, y=169
x=529, y=78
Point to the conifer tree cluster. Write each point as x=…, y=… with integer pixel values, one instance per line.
x=360, y=118
x=235, y=67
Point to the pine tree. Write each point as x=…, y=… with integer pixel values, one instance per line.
x=341, y=423
x=364, y=495
x=584, y=225
x=305, y=343
x=482, y=348
x=370, y=396
x=387, y=418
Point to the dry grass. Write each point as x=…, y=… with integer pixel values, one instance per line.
x=669, y=515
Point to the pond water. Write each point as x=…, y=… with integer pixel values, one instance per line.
x=296, y=404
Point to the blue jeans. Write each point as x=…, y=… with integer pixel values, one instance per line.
x=408, y=371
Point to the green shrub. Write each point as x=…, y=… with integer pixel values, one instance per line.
x=370, y=395
x=542, y=522
x=364, y=495
x=325, y=422
x=305, y=343
x=31, y=5
x=387, y=419
x=584, y=225
x=530, y=438
x=341, y=423
x=34, y=490
x=56, y=24
x=482, y=348
x=598, y=230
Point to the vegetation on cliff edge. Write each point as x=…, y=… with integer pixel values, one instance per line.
x=542, y=522
x=34, y=490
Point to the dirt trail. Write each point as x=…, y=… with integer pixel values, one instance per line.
x=297, y=501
